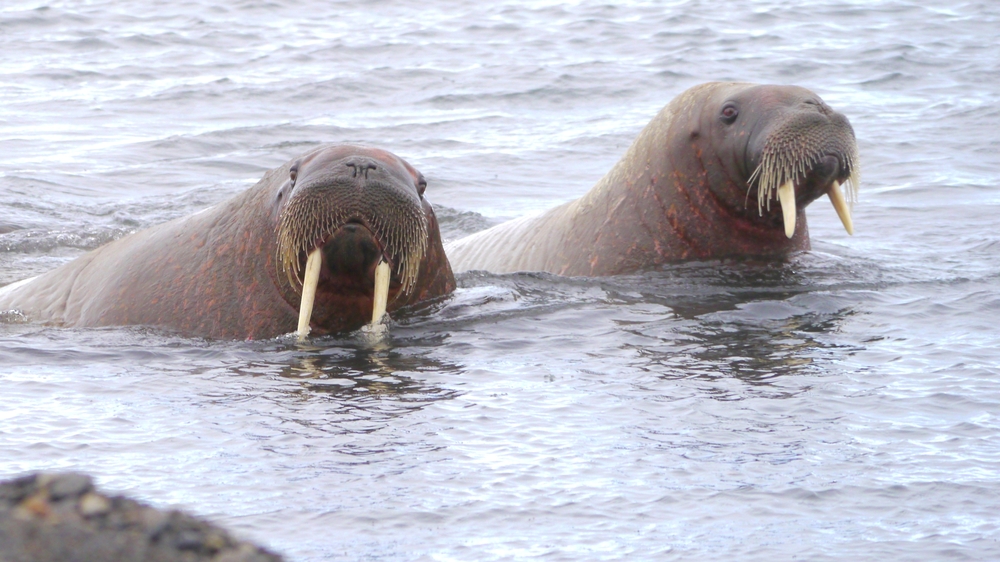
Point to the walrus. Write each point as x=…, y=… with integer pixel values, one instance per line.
x=698, y=183
x=238, y=269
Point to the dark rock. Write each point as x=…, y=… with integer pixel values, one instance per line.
x=61, y=517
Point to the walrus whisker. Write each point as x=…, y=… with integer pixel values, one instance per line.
x=407, y=244
x=780, y=168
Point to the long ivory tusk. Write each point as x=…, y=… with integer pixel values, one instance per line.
x=786, y=196
x=843, y=211
x=309, y=283
x=381, y=292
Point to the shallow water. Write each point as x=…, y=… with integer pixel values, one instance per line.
x=843, y=405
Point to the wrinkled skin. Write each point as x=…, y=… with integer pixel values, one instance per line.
x=683, y=190
x=217, y=273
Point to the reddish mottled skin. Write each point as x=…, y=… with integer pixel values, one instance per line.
x=680, y=192
x=214, y=273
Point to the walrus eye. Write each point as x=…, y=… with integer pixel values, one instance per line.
x=421, y=186
x=729, y=113
x=293, y=173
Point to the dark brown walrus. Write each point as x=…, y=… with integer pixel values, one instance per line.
x=233, y=271
x=697, y=183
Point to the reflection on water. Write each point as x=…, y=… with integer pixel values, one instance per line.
x=362, y=376
x=751, y=321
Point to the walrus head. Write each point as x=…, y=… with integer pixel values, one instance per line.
x=346, y=213
x=784, y=143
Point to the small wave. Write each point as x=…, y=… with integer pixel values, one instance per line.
x=455, y=224
x=12, y=317
x=35, y=241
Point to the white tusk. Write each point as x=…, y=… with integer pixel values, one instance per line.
x=309, y=283
x=381, y=292
x=843, y=211
x=786, y=196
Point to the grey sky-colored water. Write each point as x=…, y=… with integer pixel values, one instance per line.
x=840, y=406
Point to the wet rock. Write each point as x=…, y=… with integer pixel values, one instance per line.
x=61, y=517
x=62, y=486
x=94, y=504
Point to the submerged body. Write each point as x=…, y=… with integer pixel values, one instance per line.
x=697, y=183
x=234, y=270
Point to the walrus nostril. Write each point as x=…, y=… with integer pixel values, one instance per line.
x=362, y=169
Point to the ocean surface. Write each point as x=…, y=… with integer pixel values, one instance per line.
x=844, y=405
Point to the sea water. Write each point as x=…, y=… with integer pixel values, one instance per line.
x=842, y=405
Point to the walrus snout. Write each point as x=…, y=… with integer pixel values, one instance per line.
x=826, y=170
x=350, y=256
x=808, y=151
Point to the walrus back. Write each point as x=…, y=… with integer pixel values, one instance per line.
x=73, y=293
x=487, y=249
x=522, y=244
x=166, y=275
x=44, y=298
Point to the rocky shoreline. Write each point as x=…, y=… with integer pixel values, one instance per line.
x=64, y=518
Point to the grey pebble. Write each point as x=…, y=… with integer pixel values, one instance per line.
x=70, y=485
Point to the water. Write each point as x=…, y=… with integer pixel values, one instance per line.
x=842, y=406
